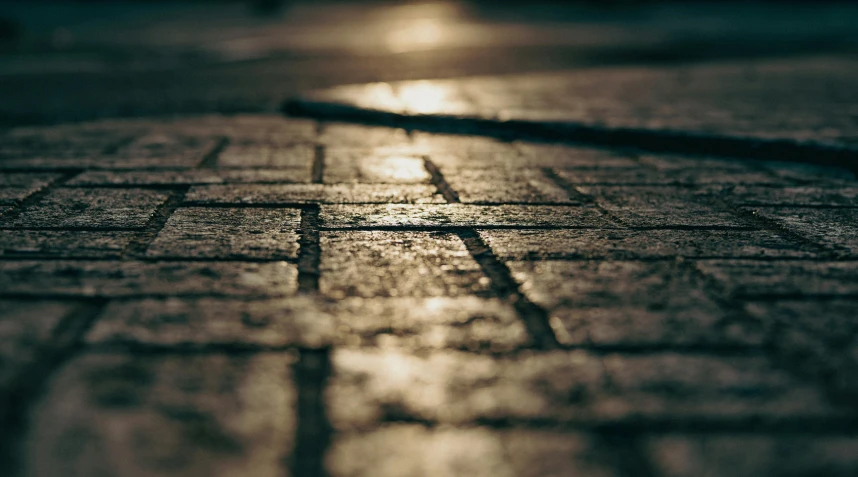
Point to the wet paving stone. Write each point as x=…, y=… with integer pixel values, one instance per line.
x=460, y=215
x=129, y=279
x=451, y=387
x=691, y=176
x=378, y=264
x=836, y=229
x=629, y=305
x=793, y=196
x=411, y=323
x=355, y=166
x=661, y=207
x=64, y=243
x=749, y=278
x=397, y=450
x=267, y=156
x=244, y=233
x=26, y=328
x=497, y=186
x=91, y=209
x=190, y=177
x=315, y=193
x=209, y=415
x=15, y=187
x=752, y=455
x=621, y=244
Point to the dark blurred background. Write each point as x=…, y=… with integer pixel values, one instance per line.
x=73, y=60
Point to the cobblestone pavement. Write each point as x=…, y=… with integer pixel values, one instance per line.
x=257, y=295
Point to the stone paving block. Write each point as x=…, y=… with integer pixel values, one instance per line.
x=810, y=174
x=190, y=177
x=460, y=215
x=315, y=193
x=816, y=338
x=355, y=166
x=272, y=129
x=91, y=209
x=812, y=196
x=346, y=135
x=15, y=187
x=629, y=304
x=370, y=264
x=691, y=176
x=267, y=156
x=753, y=455
x=621, y=244
x=26, y=327
x=208, y=415
x=749, y=278
x=565, y=156
x=497, y=186
x=678, y=163
x=431, y=143
x=132, y=279
x=243, y=233
x=415, y=451
x=661, y=207
x=413, y=323
x=64, y=243
x=368, y=386
x=836, y=229
x=168, y=148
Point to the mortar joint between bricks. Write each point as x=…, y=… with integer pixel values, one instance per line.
x=24, y=389
x=534, y=317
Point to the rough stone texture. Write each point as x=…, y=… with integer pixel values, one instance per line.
x=267, y=156
x=480, y=452
x=17, y=187
x=628, y=304
x=91, y=209
x=357, y=166
x=812, y=196
x=26, y=328
x=315, y=193
x=817, y=338
x=235, y=234
x=836, y=229
x=691, y=176
x=124, y=279
x=453, y=387
x=569, y=334
x=190, y=177
x=620, y=244
x=370, y=264
x=63, y=243
x=460, y=215
x=747, y=278
x=753, y=455
x=413, y=323
x=209, y=415
x=498, y=186
x=661, y=207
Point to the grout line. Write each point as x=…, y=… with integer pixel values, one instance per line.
x=210, y=159
x=318, y=174
x=24, y=389
x=438, y=181
x=37, y=196
x=313, y=430
x=139, y=244
x=504, y=286
x=309, y=253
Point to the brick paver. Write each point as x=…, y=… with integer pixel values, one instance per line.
x=256, y=295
